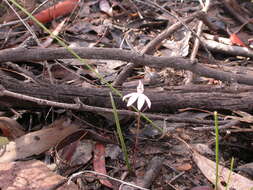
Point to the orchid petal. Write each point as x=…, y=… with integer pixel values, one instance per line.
x=148, y=102
x=137, y=96
x=140, y=88
x=141, y=101
x=132, y=99
x=128, y=96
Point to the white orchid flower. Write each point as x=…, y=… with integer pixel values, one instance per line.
x=138, y=96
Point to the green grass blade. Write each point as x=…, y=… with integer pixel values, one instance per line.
x=230, y=172
x=216, y=149
x=119, y=132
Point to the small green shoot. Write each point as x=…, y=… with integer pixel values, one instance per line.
x=119, y=132
x=230, y=172
x=216, y=149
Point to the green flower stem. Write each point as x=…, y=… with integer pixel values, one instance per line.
x=230, y=172
x=119, y=132
x=216, y=149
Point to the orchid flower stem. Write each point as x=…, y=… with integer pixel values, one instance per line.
x=137, y=136
x=216, y=149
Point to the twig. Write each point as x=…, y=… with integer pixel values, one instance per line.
x=25, y=19
x=190, y=76
x=25, y=24
x=221, y=127
x=228, y=49
x=112, y=178
x=151, y=47
x=17, y=68
x=176, y=177
x=238, y=16
x=219, y=39
x=83, y=107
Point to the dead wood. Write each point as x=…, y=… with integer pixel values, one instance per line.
x=40, y=54
x=227, y=49
x=168, y=100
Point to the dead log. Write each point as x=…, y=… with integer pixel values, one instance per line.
x=40, y=54
x=163, y=101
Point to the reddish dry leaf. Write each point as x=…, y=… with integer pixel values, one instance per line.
x=99, y=163
x=10, y=128
x=69, y=151
x=184, y=167
x=30, y=175
x=208, y=168
x=36, y=142
x=76, y=153
x=60, y=9
x=236, y=40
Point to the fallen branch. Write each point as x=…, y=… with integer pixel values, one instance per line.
x=190, y=76
x=14, y=95
x=227, y=49
x=41, y=54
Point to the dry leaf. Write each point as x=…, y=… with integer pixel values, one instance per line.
x=235, y=39
x=105, y=7
x=30, y=175
x=183, y=167
x=10, y=128
x=36, y=142
x=99, y=163
x=76, y=153
x=178, y=48
x=208, y=168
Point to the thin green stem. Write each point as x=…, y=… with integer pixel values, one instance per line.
x=120, y=135
x=216, y=149
x=230, y=172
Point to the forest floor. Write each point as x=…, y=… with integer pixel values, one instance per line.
x=57, y=123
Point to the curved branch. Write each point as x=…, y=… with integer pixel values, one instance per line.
x=40, y=54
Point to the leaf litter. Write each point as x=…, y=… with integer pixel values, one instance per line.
x=58, y=137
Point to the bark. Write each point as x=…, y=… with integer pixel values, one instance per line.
x=40, y=54
x=165, y=101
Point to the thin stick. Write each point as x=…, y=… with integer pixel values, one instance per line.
x=82, y=107
x=25, y=24
x=137, y=137
x=190, y=75
x=96, y=173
